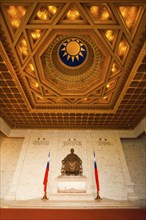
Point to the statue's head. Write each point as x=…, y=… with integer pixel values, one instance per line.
x=72, y=150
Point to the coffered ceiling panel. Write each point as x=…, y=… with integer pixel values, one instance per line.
x=73, y=64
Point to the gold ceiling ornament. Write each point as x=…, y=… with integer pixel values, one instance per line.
x=35, y=84
x=16, y=13
x=129, y=14
x=115, y=69
x=110, y=35
x=108, y=85
x=100, y=12
x=43, y=14
x=105, y=97
x=111, y=85
x=36, y=34
x=23, y=48
x=40, y=97
x=31, y=67
x=46, y=12
x=73, y=14
x=52, y=9
x=123, y=49
x=94, y=10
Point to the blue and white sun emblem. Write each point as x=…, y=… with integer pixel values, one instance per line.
x=72, y=52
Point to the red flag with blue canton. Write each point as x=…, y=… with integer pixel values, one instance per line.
x=96, y=174
x=46, y=174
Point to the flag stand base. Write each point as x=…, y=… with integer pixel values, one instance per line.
x=44, y=197
x=98, y=197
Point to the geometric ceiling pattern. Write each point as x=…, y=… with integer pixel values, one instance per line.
x=73, y=65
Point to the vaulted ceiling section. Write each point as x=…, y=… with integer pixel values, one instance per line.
x=73, y=64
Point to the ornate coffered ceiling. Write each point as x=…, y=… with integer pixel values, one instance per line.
x=73, y=64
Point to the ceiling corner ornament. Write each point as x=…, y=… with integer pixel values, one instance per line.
x=72, y=52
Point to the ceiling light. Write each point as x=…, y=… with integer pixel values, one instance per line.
x=23, y=47
x=36, y=85
x=52, y=9
x=31, y=67
x=43, y=14
x=108, y=85
x=100, y=12
x=129, y=14
x=105, y=98
x=23, y=43
x=123, y=11
x=114, y=67
x=105, y=14
x=94, y=10
x=109, y=35
x=36, y=34
x=15, y=22
x=73, y=14
x=122, y=48
x=16, y=13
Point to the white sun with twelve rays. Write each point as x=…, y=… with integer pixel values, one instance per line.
x=73, y=48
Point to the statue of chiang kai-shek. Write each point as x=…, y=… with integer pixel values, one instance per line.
x=71, y=164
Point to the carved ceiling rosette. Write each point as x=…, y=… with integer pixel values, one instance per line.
x=72, y=63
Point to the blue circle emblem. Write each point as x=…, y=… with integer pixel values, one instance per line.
x=72, y=52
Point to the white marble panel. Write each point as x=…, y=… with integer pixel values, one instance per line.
x=113, y=172
x=9, y=154
x=135, y=154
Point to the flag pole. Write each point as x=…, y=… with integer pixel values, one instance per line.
x=98, y=196
x=96, y=179
x=44, y=197
x=46, y=178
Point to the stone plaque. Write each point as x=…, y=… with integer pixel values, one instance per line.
x=71, y=184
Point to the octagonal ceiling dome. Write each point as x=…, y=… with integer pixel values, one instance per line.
x=72, y=63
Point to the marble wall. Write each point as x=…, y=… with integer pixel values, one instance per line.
x=25, y=152
x=27, y=181
x=9, y=152
x=135, y=154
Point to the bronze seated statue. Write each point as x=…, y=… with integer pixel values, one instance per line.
x=71, y=164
